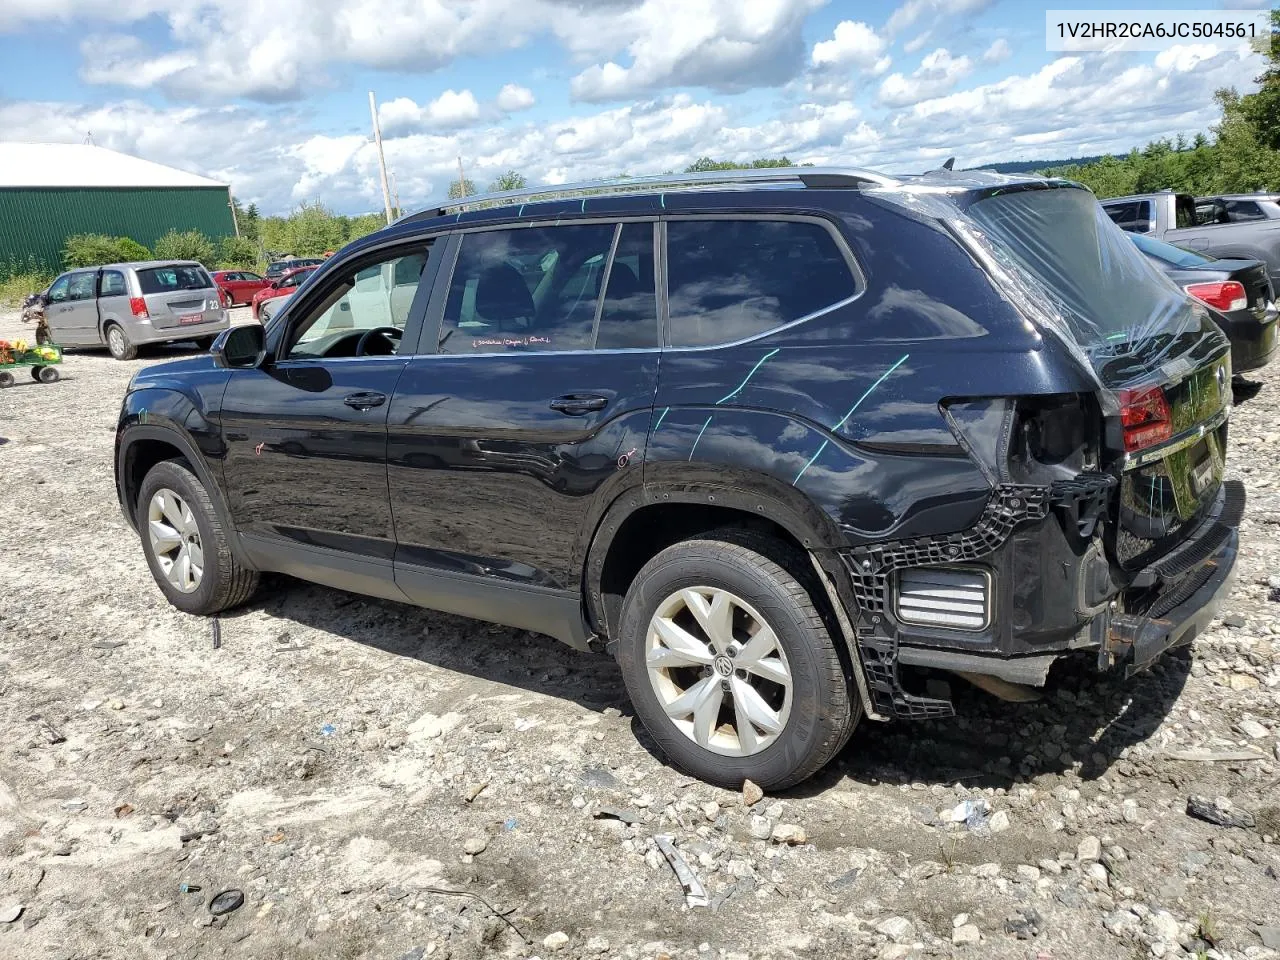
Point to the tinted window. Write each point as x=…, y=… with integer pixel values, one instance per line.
x=1134, y=215
x=1184, y=213
x=378, y=295
x=1168, y=253
x=58, y=290
x=81, y=287
x=629, y=316
x=168, y=279
x=111, y=284
x=731, y=279
x=248, y=276
x=1239, y=210
x=526, y=289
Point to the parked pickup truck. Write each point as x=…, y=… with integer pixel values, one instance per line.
x=1173, y=218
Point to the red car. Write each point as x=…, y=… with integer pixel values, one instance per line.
x=238, y=286
x=288, y=282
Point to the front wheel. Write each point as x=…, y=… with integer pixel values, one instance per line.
x=730, y=665
x=6, y=379
x=186, y=543
x=119, y=344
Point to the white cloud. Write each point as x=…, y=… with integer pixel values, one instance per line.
x=450, y=110
x=998, y=51
x=918, y=42
x=852, y=44
x=914, y=11
x=513, y=97
x=938, y=73
x=687, y=43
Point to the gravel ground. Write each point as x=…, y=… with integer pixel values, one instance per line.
x=342, y=760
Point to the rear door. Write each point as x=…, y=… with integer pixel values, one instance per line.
x=113, y=298
x=527, y=411
x=179, y=295
x=306, y=434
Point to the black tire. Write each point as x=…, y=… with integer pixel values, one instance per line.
x=118, y=342
x=776, y=580
x=35, y=373
x=224, y=583
x=6, y=379
x=48, y=375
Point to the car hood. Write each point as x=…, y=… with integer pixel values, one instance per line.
x=165, y=374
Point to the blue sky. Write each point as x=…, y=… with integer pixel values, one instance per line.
x=271, y=95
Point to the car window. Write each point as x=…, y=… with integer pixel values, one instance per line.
x=377, y=295
x=246, y=275
x=1184, y=212
x=534, y=288
x=629, y=315
x=81, y=287
x=111, y=284
x=1239, y=211
x=732, y=279
x=170, y=279
x=1133, y=215
x=58, y=289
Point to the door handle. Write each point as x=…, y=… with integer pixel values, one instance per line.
x=365, y=401
x=575, y=405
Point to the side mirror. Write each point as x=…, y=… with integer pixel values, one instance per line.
x=275, y=284
x=242, y=347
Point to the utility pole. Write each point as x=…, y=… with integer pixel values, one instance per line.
x=395, y=195
x=462, y=179
x=235, y=221
x=382, y=160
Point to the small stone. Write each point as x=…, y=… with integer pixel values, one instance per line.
x=1165, y=926
x=489, y=726
x=761, y=828
x=597, y=945
x=959, y=920
x=897, y=929
x=10, y=913
x=789, y=833
x=1028, y=873
x=475, y=845
x=751, y=794
x=74, y=805
x=1252, y=729
x=988, y=871
x=1234, y=620
x=999, y=822
x=417, y=953
x=116, y=704
x=1089, y=850
x=1242, y=681
x=1221, y=812
x=1129, y=810
x=556, y=941
x=711, y=810
x=925, y=814
x=1270, y=937
x=966, y=935
x=1098, y=874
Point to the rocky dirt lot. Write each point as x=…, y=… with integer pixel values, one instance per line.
x=342, y=761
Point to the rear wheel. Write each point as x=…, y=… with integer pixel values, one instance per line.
x=186, y=544
x=119, y=344
x=730, y=665
x=6, y=379
x=48, y=375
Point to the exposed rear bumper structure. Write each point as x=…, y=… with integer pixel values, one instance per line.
x=1164, y=605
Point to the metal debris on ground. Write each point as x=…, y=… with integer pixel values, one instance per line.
x=225, y=902
x=217, y=633
x=1214, y=756
x=10, y=914
x=695, y=895
x=1220, y=812
x=189, y=888
x=107, y=644
x=972, y=813
x=625, y=814
x=475, y=896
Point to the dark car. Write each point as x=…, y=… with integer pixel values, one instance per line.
x=1239, y=291
x=283, y=285
x=281, y=267
x=787, y=444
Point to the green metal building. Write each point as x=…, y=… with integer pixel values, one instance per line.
x=50, y=191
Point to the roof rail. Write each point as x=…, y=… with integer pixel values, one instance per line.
x=829, y=177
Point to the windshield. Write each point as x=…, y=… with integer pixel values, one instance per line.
x=177, y=277
x=1168, y=253
x=1061, y=243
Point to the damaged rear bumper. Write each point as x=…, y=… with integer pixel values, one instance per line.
x=1164, y=605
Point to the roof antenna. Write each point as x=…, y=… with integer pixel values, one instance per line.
x=951, y=162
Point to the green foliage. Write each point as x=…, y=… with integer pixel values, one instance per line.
x=463, y=188
x=511, y=180
x=706, y=164
x=93, y=249
x=21, y=277
x=237, y=253
x=186, y=245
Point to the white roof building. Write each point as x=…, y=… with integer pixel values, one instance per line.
x=86, y=166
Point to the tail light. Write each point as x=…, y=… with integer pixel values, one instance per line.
x=139, y=307
x=1226, y=295
x=1146, y=418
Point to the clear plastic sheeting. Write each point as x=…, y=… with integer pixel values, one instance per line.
x=1076, y=274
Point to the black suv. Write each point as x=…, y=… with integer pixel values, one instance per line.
x=786, y=443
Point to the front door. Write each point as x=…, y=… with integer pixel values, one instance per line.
x=306, y=433
x=73, y=310
x=534, y=408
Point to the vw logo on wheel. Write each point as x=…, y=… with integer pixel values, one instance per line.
x=723, y=666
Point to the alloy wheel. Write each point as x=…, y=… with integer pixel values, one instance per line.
x=175, y=540
x=719, y=671
x=115, y=340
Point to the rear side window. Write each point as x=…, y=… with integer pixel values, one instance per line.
x=1134, y=215
x=169, y=279
x=526, y=289
x=1241, y=210
x=111, y=284
x=733, y=279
